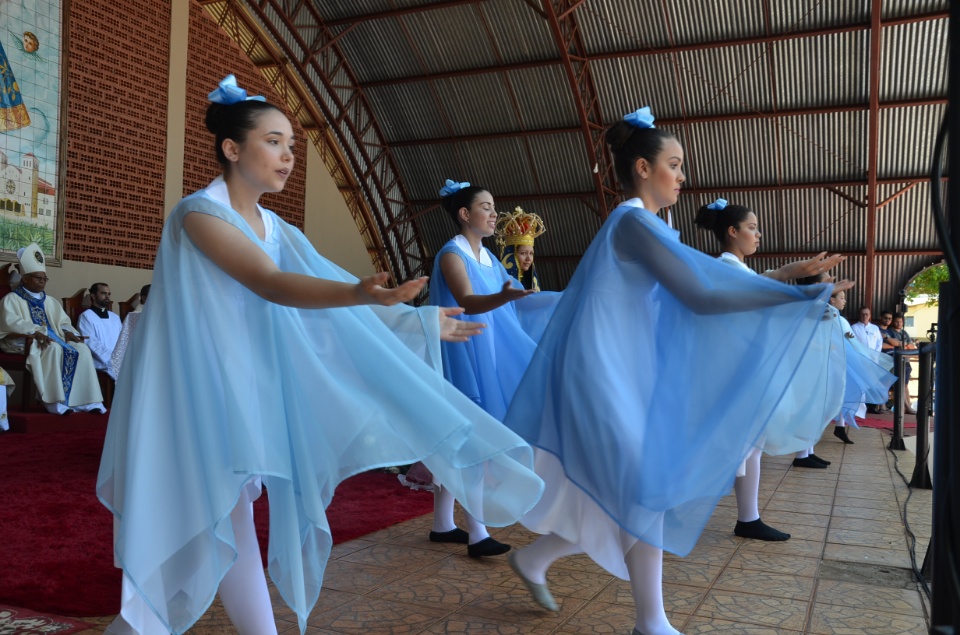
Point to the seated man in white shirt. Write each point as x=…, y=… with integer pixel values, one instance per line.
x=869, y=335
x=100, y=325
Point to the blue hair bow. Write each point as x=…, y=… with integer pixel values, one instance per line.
x=717, y=205
x=228, y=93
x=452, y=187
x=641, y=118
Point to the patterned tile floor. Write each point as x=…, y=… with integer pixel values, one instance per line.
x=846, y=570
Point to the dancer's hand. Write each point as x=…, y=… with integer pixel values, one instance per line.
x=843, y=285
x=811, y=266
x=371, y=290
x=509, y=293
x=453, y=330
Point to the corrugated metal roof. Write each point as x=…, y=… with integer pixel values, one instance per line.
x=827, y=70
x=450, y=38
x=789, y=16
x=906, y=222
x=725, y=94
x=695, y=21
x=621, y=25
x=379, y=49
x=544, y=100
x=905, y=8
x=626, y=84
x=914, y=61
x=408, y=111
x=517, y=31
x=907, y=136
x=824, y=147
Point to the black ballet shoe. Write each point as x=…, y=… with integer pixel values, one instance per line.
x=487, y=547
x=841, y=433
x=455, y=535
x=758, y=530
x=808, y=462
x=817, y=458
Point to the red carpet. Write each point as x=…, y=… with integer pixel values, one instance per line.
x=56, y=551
x=886, y=423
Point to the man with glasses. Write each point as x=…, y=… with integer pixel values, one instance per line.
x=869, y=335
x=59, y=361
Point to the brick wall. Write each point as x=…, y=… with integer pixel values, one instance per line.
x=116, y=131
x=117, y=121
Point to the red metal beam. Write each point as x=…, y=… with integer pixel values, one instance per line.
x=873, y=149
x=573, y=53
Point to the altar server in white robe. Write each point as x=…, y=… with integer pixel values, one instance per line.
x=61, y=364
x=100, y=326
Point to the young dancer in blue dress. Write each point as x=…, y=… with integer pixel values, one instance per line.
x=257, y=360
x=486, y=369
x=868, y=377
x=639, y=430
x=736, y=228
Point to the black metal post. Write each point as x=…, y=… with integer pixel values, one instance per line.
x=899, y=369
x=921, y=473
x=945, y=537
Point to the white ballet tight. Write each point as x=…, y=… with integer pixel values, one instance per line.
x=802, y=454
x=535, y=559
x=443, y=502
x=243, y=590
x=747, y=489
x=644, y=565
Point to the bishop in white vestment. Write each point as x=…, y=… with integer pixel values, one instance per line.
x=61, y=365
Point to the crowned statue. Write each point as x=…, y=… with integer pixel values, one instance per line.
x=516, y=232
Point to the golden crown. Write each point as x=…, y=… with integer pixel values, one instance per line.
x=518, y=228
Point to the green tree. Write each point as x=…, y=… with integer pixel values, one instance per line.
x=927, y=282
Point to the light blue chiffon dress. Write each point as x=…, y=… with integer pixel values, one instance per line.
x=220, y=389
x=802, y=402
x=658, y=372
x=488, y=368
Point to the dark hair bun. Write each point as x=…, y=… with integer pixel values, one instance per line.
x=618, y=134
x=214, y=117
x=706, y=218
